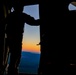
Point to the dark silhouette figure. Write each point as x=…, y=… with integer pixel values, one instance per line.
x=5, y=9
x=3, y=13
x=14, y=30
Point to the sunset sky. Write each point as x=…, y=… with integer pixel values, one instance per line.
x=31, y=33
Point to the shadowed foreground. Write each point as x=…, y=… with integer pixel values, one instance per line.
x=26, y=74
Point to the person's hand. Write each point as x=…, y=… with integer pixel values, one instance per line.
x=38, y=43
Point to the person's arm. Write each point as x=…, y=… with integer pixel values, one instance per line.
x=31, y=21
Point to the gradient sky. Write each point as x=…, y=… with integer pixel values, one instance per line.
x=31, y=33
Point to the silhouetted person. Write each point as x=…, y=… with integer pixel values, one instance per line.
x=5, y=8
x=14, y=30
x=3, y=14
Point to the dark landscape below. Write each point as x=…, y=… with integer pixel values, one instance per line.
x=29, y=63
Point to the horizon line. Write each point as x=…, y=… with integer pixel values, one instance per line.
x=31, y=52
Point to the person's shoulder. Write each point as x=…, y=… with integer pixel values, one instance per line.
x=10, y=14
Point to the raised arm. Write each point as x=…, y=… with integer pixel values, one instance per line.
x=34, y=22
x=31, y=21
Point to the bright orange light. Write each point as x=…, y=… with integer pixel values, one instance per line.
x=31, y=47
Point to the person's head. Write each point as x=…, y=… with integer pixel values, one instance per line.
x=18, y=7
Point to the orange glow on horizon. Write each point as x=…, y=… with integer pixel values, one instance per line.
x=31, y=48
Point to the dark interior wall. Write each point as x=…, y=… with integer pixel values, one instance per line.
x=57, y=36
